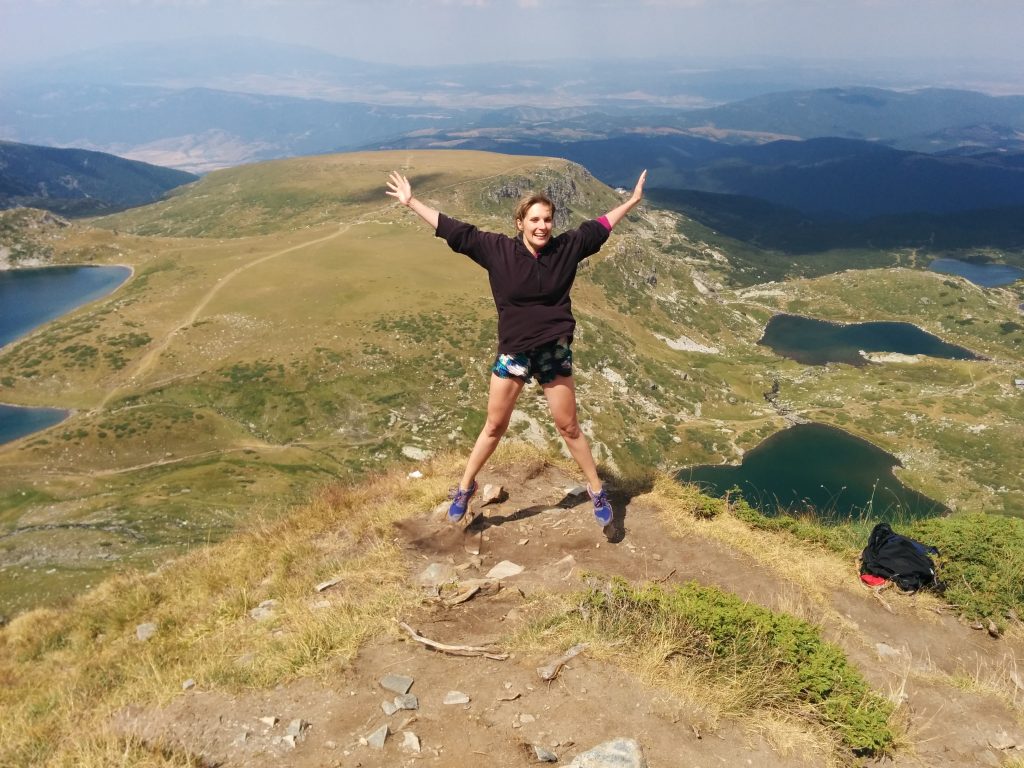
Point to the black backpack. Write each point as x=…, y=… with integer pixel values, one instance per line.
x=900, y=559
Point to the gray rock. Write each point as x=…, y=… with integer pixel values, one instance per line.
x=399, y=684
x=378, y=737
x=1002, y=740
x=456, y=697
x=437, y=574
x=504, y=570
x=407, y=701
x=544, y=754
x=410, y=742
x=492, y=493
x=263, y=611
x=297, y=727
x=188, y=685
x=145, y=631
x=887, y=651
x=270, y=721
x=388, y=707
x=617, y=753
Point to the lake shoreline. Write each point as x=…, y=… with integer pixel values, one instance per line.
x=40, y=328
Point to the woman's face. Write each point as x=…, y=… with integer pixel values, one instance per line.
x=536, y=226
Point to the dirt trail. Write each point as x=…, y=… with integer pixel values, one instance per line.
x=926, y=659
x=150, y=358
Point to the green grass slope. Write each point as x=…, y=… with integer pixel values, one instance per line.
x=287, y=324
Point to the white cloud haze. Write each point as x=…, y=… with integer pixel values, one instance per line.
x=460, y=31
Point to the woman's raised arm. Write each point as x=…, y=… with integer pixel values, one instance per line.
x=615, y=215
x=401, y=190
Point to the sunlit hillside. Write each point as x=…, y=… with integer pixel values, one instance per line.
x=287, y=324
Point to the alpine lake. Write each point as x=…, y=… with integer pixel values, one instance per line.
x=30, y=298
x=820, y=469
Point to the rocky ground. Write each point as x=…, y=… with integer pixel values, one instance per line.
x=405, y=703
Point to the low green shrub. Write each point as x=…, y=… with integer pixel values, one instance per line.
x=981, y=561
x=799, y=672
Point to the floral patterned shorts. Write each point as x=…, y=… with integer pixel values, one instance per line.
x=546, y=362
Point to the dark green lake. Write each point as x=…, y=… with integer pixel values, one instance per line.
x=817, y=468
x=816, y=342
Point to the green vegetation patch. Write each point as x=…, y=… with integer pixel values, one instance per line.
x=981, y=556
x=726, y=638
x=981, y=562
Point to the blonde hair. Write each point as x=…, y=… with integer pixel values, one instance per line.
x=528, y=201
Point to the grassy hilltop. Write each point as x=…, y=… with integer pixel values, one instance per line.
x=292, y=343
x=287, y=324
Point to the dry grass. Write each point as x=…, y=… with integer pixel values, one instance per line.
x=66, y=672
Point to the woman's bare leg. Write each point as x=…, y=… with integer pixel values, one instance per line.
x=501, y=400
x=561, y=397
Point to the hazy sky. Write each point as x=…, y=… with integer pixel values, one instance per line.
x=459, y=31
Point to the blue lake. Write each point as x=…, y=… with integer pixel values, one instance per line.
x=820, y=469
x=30, y=298
x=816, y=342
x=17, y=422
x=985, y=275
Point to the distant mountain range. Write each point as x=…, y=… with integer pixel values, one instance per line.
x=841, y=178
x=717, y=140
x=78, y=182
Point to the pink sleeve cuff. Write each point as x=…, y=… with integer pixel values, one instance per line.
x=603, y=221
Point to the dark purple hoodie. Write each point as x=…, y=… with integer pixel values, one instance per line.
x=531, y=294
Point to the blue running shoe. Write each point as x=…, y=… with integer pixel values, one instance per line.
x=460, y=503
x=602, y=509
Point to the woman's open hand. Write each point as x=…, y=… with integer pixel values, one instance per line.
x=638, y=190
x=399, y=188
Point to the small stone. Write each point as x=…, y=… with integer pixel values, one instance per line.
x=410, y=742
x=269, y=721
x=389, y=708
x=525, y=718
x=330, y=744
x=1002, y=741
x=523, y=542
x=399, y=684
x=544, y=754
x=145, y=631
x=242, y=738
x=263, y=611
x=290, y=740
x=327, y=584
x=887, y=651
x=504, y=570
x=491, y=494
x=407, y=701
x=437, y=574
x=378, y=737
x=456, y=697
x=415, y=475
x=618, y=753
x=297, y=727
x=188, y=685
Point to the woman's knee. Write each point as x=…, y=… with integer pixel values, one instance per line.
x=495, y=428
x=570, y=430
